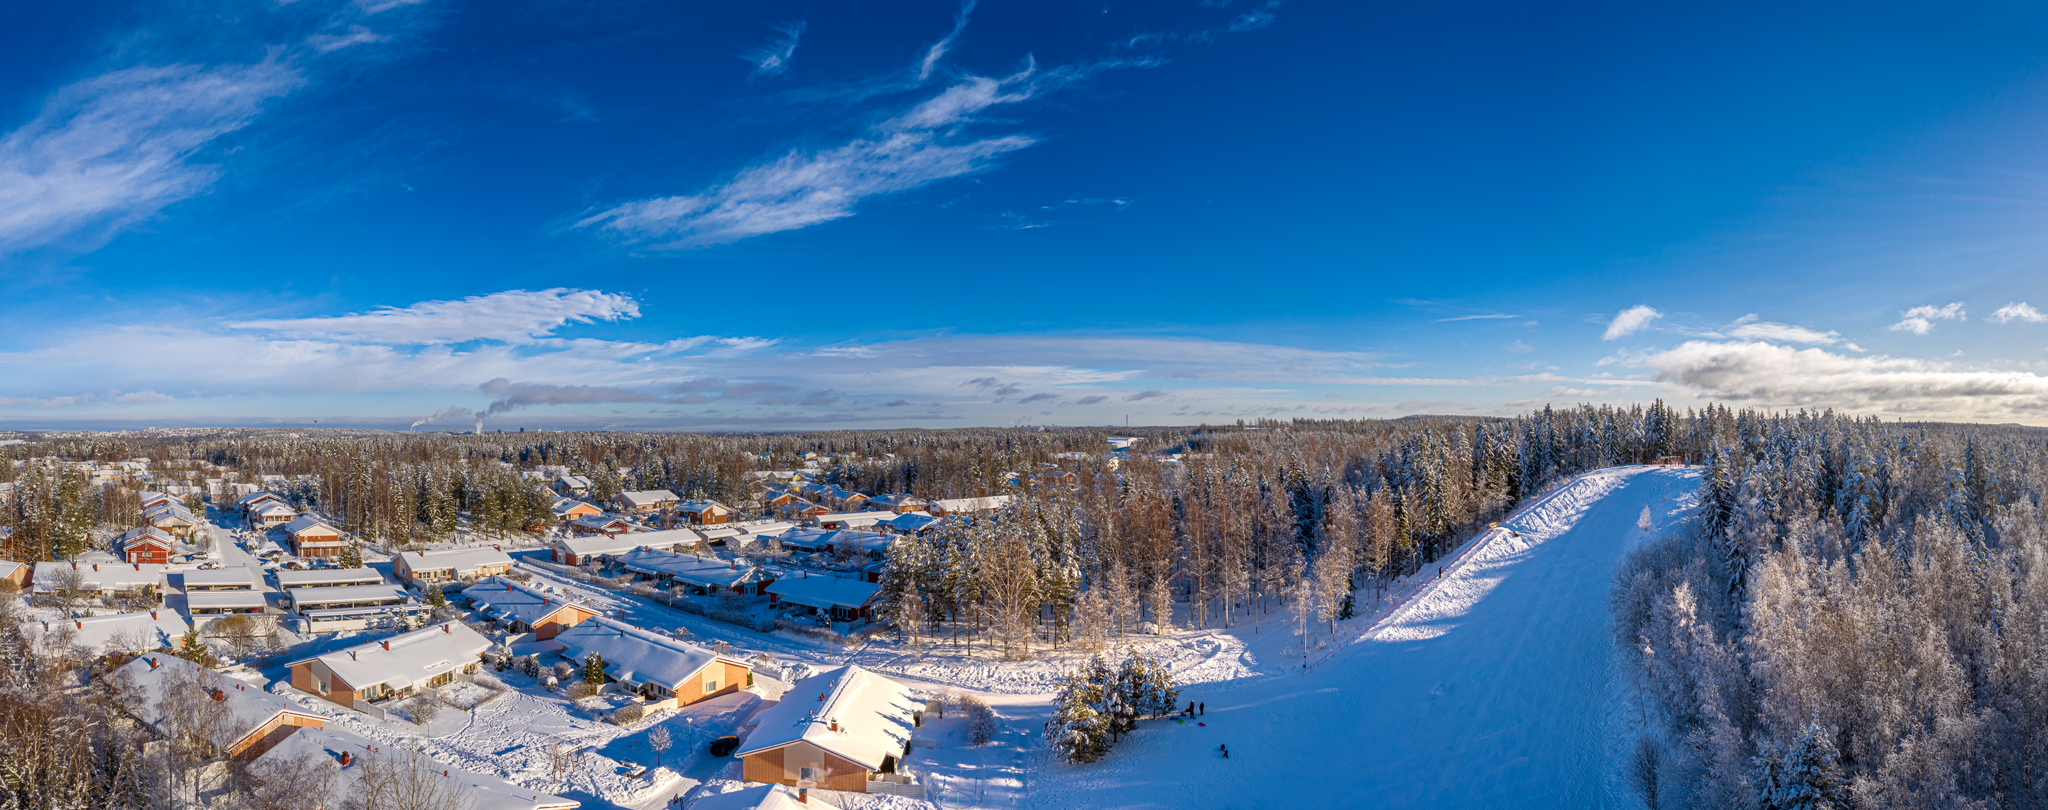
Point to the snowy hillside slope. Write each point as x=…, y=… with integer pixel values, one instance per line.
x=1493, y=687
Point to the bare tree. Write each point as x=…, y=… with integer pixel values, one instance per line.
x=286, y=784
x=562, y=759
x=246, y=634
x=1012, y=588
x=660, y=741
x=195, y=723
x=70, y=587
x=408, y=779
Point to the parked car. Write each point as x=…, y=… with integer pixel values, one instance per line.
x=209, y=565
x=724, y=746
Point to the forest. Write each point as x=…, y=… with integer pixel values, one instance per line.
x=1854, y=617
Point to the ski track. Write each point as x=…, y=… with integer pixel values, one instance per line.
x=1492, y=687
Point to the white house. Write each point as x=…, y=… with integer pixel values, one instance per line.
x=327, y=578
x=141, y=631
x=103, y=579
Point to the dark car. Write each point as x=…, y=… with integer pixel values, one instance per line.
x=724, y=746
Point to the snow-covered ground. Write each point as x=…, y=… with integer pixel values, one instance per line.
x=1494, y=687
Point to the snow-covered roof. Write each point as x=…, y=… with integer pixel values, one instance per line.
x=151, y=497
x=702, y=506
x=287, y=579
x=326, y=744
x=910, y=521
x=146, y=534
x=810, y=539
x=253, y=497
x=563, y=506
x=346, y=595
x=595, y=545
x=10, y=569
x=268, y=508
x=573, y=481
x=761, y=526
x=873, y=713
x=460, y=559
x=760, y=797
x=223, y=600
x=309, y=523
x=232, y=577
x=635, y=655
x=246, y=708
x=990, y=503
x=507, y=601
x=135, y=632
x=169, y=511
x=708, y=572
x=101, y=576
x=854, y=520
x=824, y=591
x=400, y=661
x=648, y=497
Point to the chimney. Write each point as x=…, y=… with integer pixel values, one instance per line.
x=387, y=645
x=79, y=624
x=444, y=629
x=803, y=795
x=152, y=615
x=219, y=696
x=96, y=567
x=835, y=724
x=345, y=758
x=152, y=662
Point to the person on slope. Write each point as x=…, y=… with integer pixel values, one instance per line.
x=1226, y=751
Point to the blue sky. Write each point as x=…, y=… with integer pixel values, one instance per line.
x=808, y=215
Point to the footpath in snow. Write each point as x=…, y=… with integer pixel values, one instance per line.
x=1492, y=687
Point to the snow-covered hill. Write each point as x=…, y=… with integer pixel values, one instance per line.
x=1492, y=688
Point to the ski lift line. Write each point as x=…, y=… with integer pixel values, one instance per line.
x=1405, y=600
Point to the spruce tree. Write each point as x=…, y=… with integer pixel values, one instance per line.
x=593, y=669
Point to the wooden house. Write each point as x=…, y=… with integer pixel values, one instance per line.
x=311, y=537
x=848, y=737
x=148, y=546
x=394, y=667
x=524, y=609
x=668, y=672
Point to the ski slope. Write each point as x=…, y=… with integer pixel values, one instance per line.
x=1492, y=687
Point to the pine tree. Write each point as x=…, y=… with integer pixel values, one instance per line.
x=593, y=669
x=1077, y=732
x=352, y=556
x=1807, y=776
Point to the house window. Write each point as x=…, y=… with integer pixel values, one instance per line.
x=807, y=774
x=710, y=685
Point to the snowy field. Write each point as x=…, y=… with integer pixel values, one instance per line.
x=1494, y=687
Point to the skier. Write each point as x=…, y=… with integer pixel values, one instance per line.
x=1226, y=751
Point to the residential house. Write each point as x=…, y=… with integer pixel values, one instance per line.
x=911, y=523
x=599, y=524
x=702, y=574
x=817, y=540
x=245, y=721
x=208, y=607
x=776, y=497
x=147, y=545
x=644, y=502
x=330, y=608
x=659, y=668
x=584, y=550
x=800, y=510
x=450, y=565
x=288, y=580
x=270, y=514
x=763, y=797
x=102, y=579
x=348, y=756
x=523, y=608
x=703, y=513
x=141, y=631
x=961, y=506
x=572, y=486
x=568, y=509
x=229, y=578
x=844, y=600
x=394, y=667
x=850, y=736
x=312, y=537
x=16, y=573
x=853, y=520
x=173, y=518
x=151, y=498
x=898, y=502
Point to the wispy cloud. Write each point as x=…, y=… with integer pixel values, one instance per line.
x=1920, y=320
x=513, y=316
x=2017, y=311
x=1749, y=328
x=111, y=151
x=1489, y=317
x=937, y=52
x=355, y=35
x=1630, y=321
x=924, y=144
x=772, y=59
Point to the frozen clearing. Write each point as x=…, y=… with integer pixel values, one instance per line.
x=1494, y=687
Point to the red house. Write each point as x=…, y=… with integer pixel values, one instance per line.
x=146, y=545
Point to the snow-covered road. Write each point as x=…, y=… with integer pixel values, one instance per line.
x=1494, y=687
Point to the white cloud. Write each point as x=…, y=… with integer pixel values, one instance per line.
x=380, y=6
x=773, y=59
x=1770, y=375
x=1920, y=320
x=1750, y=329
x=513, y=316
x=143, y=397
x=356, y=35
x=113, y=150
x=1630, y=321
x=938, y=50
x=2017, y=311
